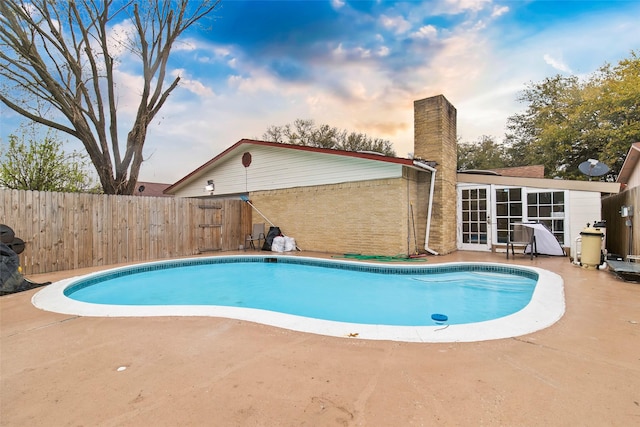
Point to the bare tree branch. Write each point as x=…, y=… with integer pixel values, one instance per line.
x=58, y=53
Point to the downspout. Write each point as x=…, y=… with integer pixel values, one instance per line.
x=433, y=183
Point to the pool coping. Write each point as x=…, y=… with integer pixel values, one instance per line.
x=546, y=307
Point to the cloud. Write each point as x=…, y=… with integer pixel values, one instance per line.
x=185, y=45
x=383, y=51
x=128, y=91
x=120, y=36
x=361, y=85
x=558, y=64
x=499, y=11
x=396, y=24
x=192, y=85
x=454, y=7
x=425, y=32
x=256, y=81
x=342, y=54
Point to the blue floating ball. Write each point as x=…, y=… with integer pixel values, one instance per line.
x=439, y=317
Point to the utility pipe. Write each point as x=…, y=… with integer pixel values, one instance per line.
x=246, y=199
x=433, y=183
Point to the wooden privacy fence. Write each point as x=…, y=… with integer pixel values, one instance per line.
x=64, y=231
x=620, y=235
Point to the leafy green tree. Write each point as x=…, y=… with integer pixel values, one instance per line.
x=613, y=105
x=305, y=132
x=63, y=54
x=43, y=166
x=483, y=154
x=568, y=120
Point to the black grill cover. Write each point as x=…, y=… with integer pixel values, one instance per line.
x=272, y=234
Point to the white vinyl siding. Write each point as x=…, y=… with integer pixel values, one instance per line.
x=585, y=207
x=277, y=168
x=634, y=179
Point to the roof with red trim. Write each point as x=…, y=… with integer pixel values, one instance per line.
x=244, y=142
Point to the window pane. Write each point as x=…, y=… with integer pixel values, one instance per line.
x=558, y=197
x=532, y=198
x=502, y=196
x=515, y=209
x=548, y=209
x=501, y=209
x=514, y=194
x=545, y=198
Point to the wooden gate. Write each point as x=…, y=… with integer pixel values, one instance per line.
x=209, y=231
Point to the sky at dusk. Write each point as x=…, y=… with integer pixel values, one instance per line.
x=359, y=65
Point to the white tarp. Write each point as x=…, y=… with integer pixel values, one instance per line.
x=283, y=244
x=546, y=243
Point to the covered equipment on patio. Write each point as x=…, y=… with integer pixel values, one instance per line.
x=546, y=242
x=536, y=239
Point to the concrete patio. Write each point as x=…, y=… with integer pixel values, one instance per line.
x=61, y=370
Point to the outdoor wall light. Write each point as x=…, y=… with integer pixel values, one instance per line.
x=210, y=186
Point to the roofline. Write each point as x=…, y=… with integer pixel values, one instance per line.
x=555, y=184
x=356, y=154
x=633, y=156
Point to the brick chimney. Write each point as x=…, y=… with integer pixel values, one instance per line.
x=435, y=140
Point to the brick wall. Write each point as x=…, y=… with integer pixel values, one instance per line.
x=419, y=185
x=435, y=140
x=367, y=217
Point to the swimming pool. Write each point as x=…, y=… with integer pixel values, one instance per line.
x=350, y=314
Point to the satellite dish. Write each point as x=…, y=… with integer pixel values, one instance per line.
x=593, y=167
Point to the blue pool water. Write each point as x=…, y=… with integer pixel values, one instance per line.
x=405, y=296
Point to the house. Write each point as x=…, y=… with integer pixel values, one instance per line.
x=151, y=189
x=352, y=202
x=629, y=176
x=622, y=211
x=489, y=204
x=534, y=171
